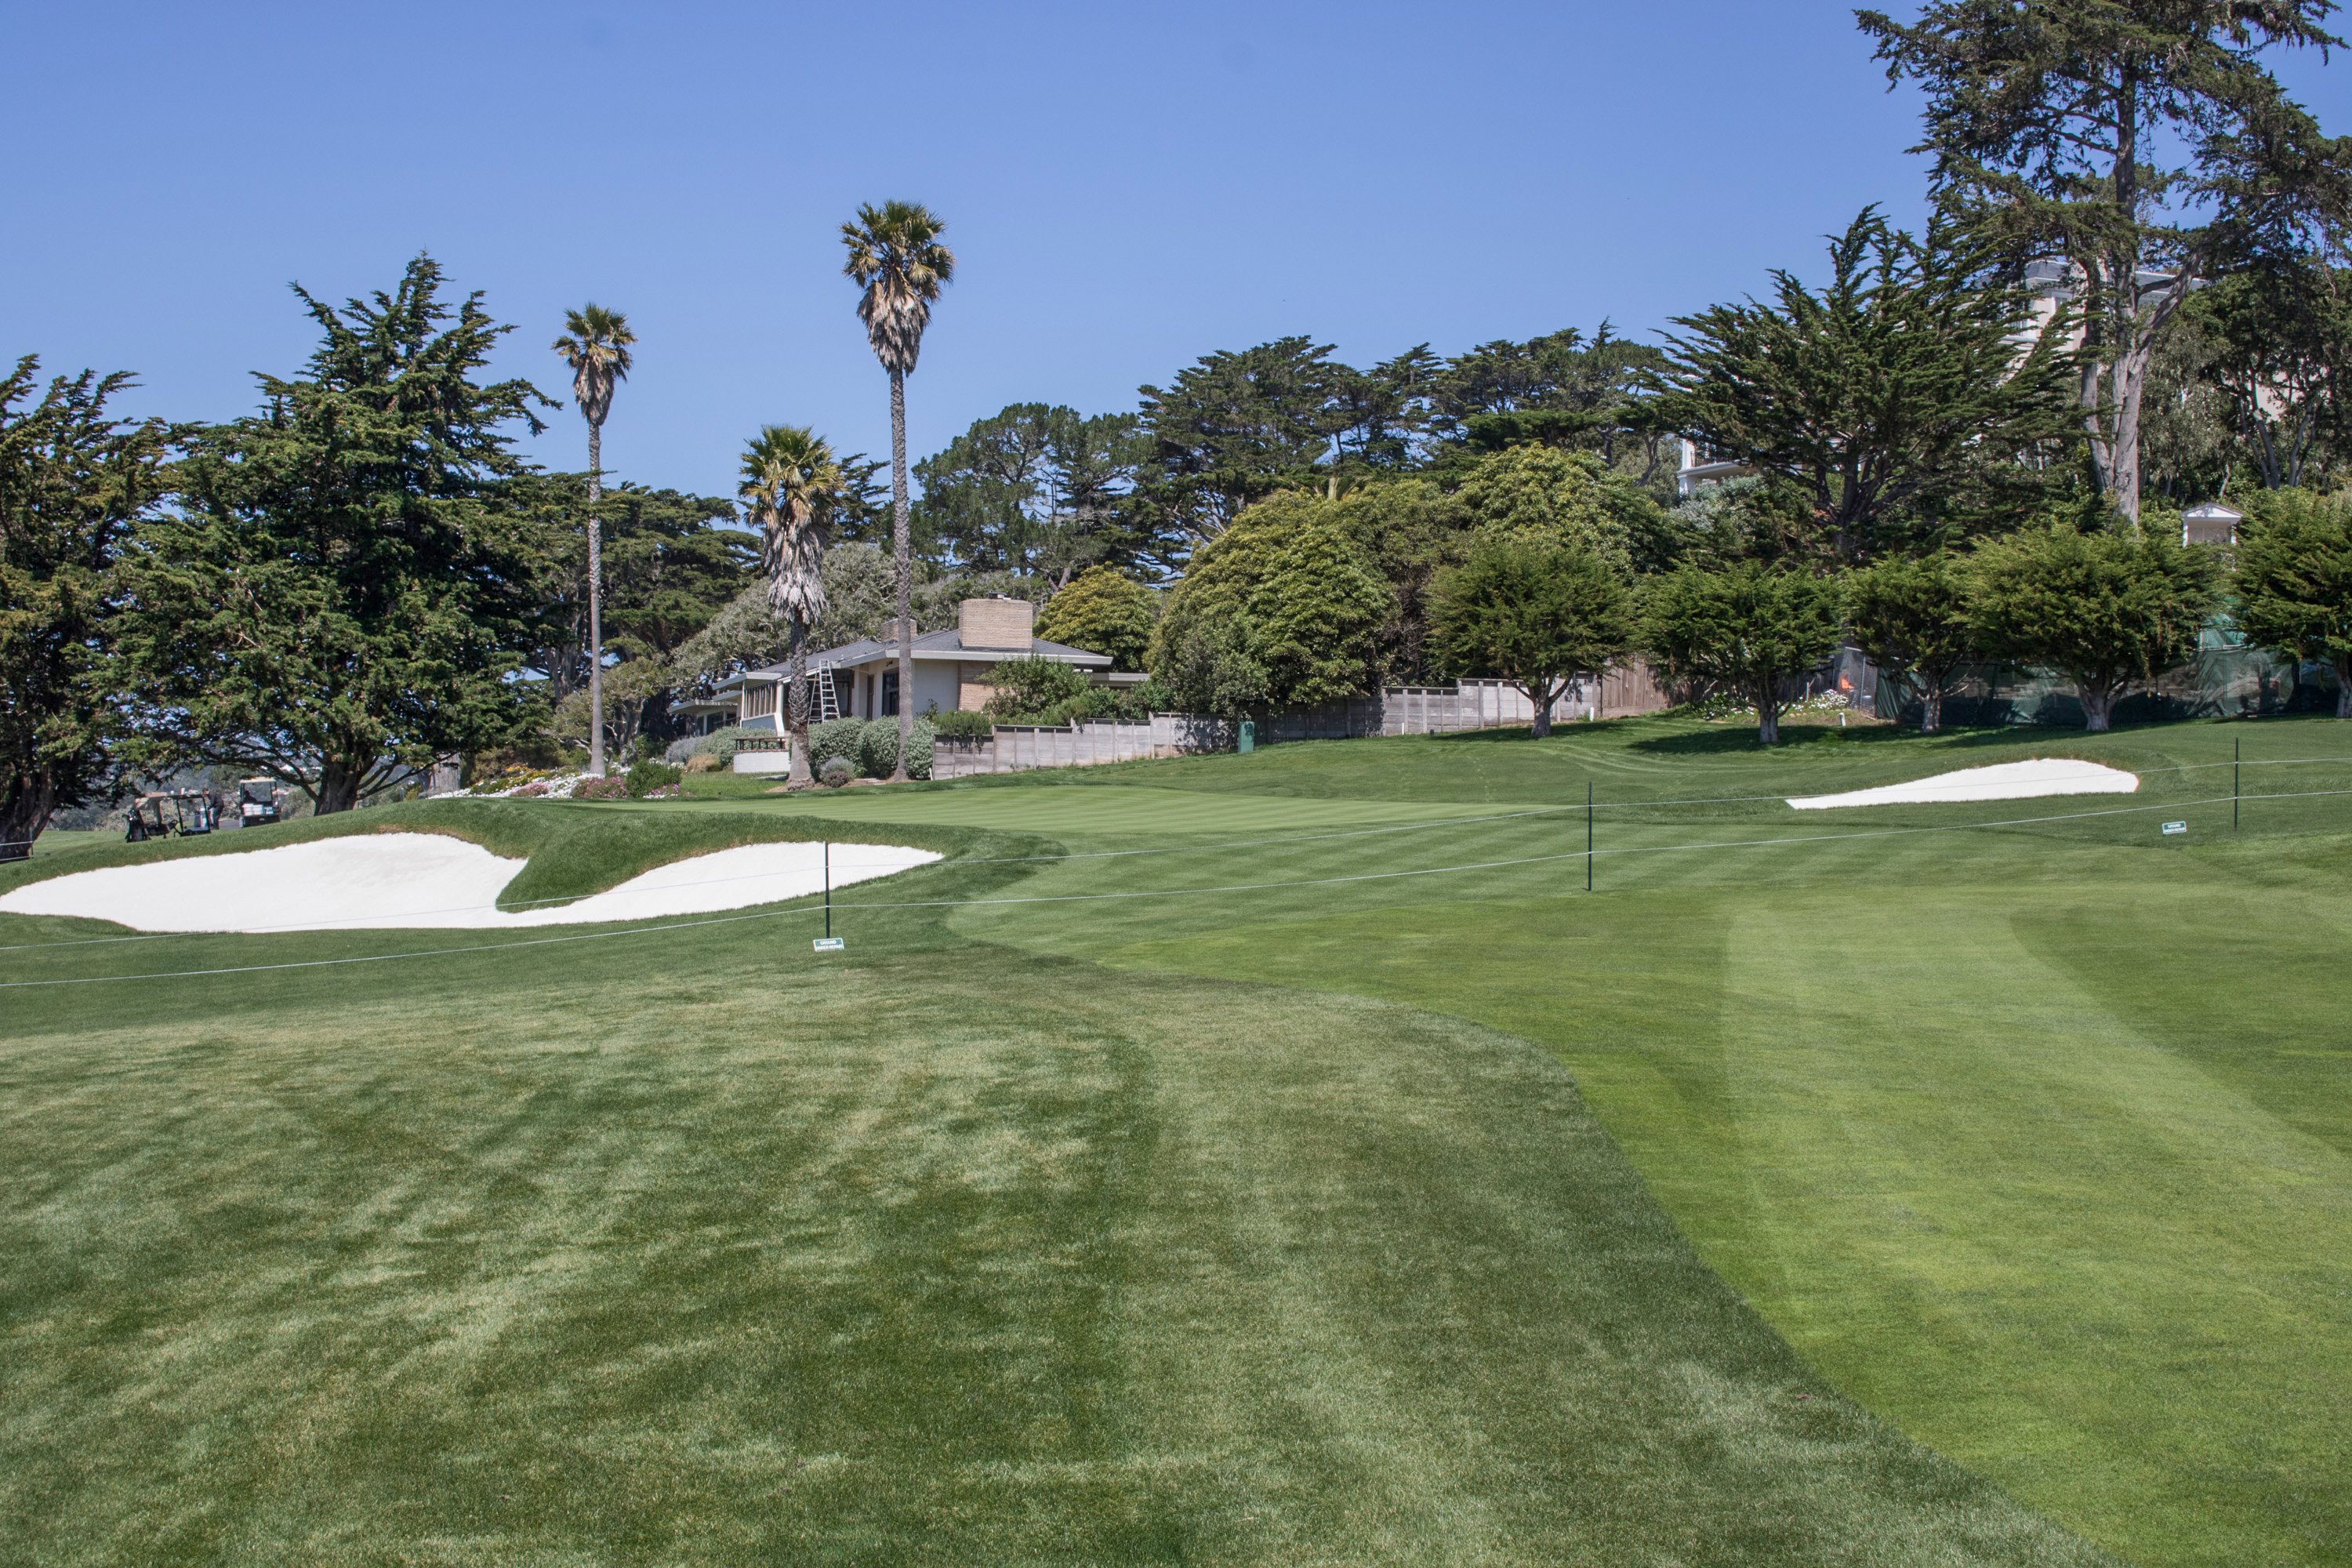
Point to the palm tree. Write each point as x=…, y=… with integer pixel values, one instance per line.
x=791, y=487
x=595, y=344
x=895, y=255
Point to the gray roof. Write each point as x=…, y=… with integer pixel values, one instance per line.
x=938, y=645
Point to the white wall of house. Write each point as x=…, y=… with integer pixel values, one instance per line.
x=936, y=686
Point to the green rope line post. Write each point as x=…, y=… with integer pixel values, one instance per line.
x=2235, y=745
x=1588, y=835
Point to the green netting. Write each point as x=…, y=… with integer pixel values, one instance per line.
x=2226, y=680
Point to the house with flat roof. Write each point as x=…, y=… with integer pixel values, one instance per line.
x=860, y=680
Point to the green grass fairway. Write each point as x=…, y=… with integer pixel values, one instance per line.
x=1121, y=809
x=1274, y=1159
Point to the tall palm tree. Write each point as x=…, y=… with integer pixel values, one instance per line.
x=790, y=486
x=895, y=255
x=595, y=344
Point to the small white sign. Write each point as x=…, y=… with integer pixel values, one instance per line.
x=827, y=944
x=2171, y=827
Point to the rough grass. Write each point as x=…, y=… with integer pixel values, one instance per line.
x=938, y=1252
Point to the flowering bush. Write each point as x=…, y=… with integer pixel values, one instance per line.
x=505, y=783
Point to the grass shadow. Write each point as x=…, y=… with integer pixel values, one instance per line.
x=1804, y=737
x=1597, y=729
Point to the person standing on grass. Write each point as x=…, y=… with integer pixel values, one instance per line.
x=896, y=256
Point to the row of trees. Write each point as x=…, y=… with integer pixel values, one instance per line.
x=2131, y=272
x=334, y=587
x=1289, y=607
x=2133, y=257
x=1043, y=491
x=357, y=578
x=2133, y=162
x=363, y=575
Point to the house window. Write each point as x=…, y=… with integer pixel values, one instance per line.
x=890, y=695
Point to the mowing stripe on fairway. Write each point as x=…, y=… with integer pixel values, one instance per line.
x=1122, y=796
x=1115, y=809
x=1176, y=892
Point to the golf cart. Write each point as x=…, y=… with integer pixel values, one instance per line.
x=259, y=802
x=167, y=813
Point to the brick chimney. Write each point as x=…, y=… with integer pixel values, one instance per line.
x=997, y=626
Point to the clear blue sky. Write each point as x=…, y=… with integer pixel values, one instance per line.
x=1126, y=187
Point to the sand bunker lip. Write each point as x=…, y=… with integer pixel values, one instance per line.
x=386, y=880
x=2001, y=781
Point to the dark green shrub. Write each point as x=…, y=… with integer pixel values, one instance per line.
x=836, y=738
x=1130, y=706
x=962, y=726
x=648, y=777
x=1102, y=611
x=1283, y=609
x=1026, y=689
x=877, y=749
x=1087, y=702
x=1747, y=628
x=836, y=773
x=2107, y=611
x=1139, y=702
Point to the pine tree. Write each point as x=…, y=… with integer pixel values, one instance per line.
x=345, y=591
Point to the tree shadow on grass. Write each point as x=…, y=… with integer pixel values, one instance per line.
x=1734, y=739
x=1809, y=737
x=1567, y=728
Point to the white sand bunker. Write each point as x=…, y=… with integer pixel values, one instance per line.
x=2002, y=781
x=385, y=880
